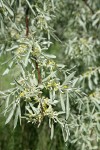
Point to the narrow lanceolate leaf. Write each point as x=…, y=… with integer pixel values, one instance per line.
x=52, y=130
x=2, y=27
x=22, y=70
x=19, y=85
x=95, y=21
x=6, y=72
x=65, y=132
x=95, y=78
x=12, y=2
x=90, y=83
x=67, y=106
x=11, y=113
x=1, y=3
x=12, y=48
x=16, y=118
x=27, y=59
x=30, y=7
x=9, y=10
x=97, y=105
x=75, y=81
x=11, y=63
x=62, y=102
x=18, y=114
x=60, y=65
x=7, y=103
x=83, y=146
x=51, y=95
x=53, y=74
x=52, y=1
x=68, y=78
x=98, y=125
x=82, y=23
x=49, y=56
x=35, y=110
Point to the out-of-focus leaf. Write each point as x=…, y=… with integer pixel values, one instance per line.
x=12, y=48
x=9, y=10
x=62, y=102
x=30, y=7
x=6, y=72
x=52, y=130
x=17, y=114
x=68, y=78
x=90, y=83
x=67, y=106
x=11, y=113
x=49, y=56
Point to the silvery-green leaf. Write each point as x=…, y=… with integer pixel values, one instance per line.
x=62, y=102
x=2, y=27
x=19, y=85
x=22, y=71
x=83, y=146
x=16, y=115
x=27, y=59
x=97, y=105
x=65, y=132
x=6, y=72
x=35, y=110
x=53, y=74
x=67, y=106
x=95, y=21
x=11, y=113
x=30, y=7
x=69, y=77
x=12, y=48
x=95, y=78
x=98, y=125
x=29, y=110
x=60, y=113
x=52, y=1
x=60, y=65
x=90, y=83
x=9, y=10
x=19, y=113
x=52, y=130
x=7, y=103
x=82, y=23
x=10, y=65
x=49, y=56
x=51, y=95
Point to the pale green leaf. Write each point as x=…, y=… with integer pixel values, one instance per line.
x=62, y=102
x=67, y=106
x=9, y=10
x=52, y=130
x=11, y=113
x=6, y=72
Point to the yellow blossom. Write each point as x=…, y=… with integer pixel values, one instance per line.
x=22, y=94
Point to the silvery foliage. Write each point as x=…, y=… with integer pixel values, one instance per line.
x=38, y=99
x=57, y=97
x=81, y=40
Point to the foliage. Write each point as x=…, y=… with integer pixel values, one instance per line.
x=46, y=91
x=81, y=44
